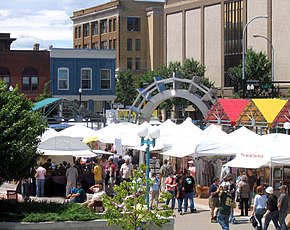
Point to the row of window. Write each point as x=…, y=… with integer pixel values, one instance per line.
x=110, y=44
x=137, y=63
x=130, y=44
x=96, y=27
x=86, y=79
x=29, y=83
x=106, y=26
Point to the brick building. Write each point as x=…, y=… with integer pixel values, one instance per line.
x=28, y=69
x=133, y=28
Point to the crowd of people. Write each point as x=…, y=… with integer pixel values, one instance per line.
x=248, y=190
x=225, y=195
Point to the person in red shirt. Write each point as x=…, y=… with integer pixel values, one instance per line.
x=171, y=184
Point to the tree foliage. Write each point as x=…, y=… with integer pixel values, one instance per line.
x=128, y=209
x=126, y=88
x=19, y=128
x=45, y=93
x=257, y=67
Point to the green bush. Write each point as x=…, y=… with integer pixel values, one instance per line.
x=44, y=211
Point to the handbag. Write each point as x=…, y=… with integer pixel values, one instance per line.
x=254, y=221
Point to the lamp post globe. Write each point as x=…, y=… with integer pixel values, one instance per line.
x=142, y=132
x=154, y=132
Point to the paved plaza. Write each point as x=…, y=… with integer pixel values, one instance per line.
x=199, y=220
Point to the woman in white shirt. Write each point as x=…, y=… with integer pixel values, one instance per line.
x=260, y=204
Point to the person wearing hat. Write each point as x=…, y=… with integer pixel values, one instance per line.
x=272, y=209
x=226, y=203
x=283, y=206
x=259, y=207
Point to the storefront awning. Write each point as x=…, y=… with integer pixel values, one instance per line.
x=44, y=102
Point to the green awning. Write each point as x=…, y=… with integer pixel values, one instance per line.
x=44, y=103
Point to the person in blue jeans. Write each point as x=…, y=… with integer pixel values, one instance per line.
x=189, y=185
x=226, y=202
x=180, y=192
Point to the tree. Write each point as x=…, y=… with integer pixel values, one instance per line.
x=19, y=129
x=257, y=67
x=128, y=209
x=45, y=93
x=126, y=88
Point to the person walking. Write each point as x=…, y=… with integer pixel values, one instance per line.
x=40, y=180
x=259, y=207
x=272, y=209
x=154, y=191
x=244, y=191
x=180, y=191
x=98, y=172
x=283, y=207
x=226, y=203
x=189, y=185
x=126, y=170
x=171, y=184
x=71, y=178
x=214, y=199
x=165, y=170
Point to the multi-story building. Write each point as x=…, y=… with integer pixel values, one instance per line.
x=85, y=75
x=211, y=31
x=28, y=69
x=133, y=28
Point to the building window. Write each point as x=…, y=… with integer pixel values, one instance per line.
x=105, y=79
x=129, y=63
x=63, y=78
x=30, y=79
x=76, y=32
x=30, y=83
x=138, y=63
x=110, y=25
x=6, y=79
x=86, y=46
x=95, y=28
x=138, y=44
x=129, y=44
x=233, y=31
x=86, y=30
x=104, y=45
x=133, y=24
x=110, y=44
x=114, y=24
x=80, y=32
x=95, y=45
x=86, y=78
x=114, y=44
x=103, y=25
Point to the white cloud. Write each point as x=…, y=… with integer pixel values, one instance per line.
x=41, y=21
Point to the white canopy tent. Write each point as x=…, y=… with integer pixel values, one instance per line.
x=78, y=131
x=65, y=146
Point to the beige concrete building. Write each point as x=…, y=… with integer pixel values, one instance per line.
x=210, y=31
x=133, y=28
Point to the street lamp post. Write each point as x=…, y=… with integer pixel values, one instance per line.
x=243, y=51
x=272, y=67
x=154, y=133
x=80, y=100
x=250, y=89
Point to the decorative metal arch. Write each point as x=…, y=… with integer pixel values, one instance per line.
x=161, y=90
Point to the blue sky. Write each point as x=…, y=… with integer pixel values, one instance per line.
x=46, y=22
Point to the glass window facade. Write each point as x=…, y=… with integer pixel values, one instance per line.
x=133, y=24
x=232, y=36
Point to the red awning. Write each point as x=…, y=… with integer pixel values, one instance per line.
x=283, y=116
x=226, y=111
